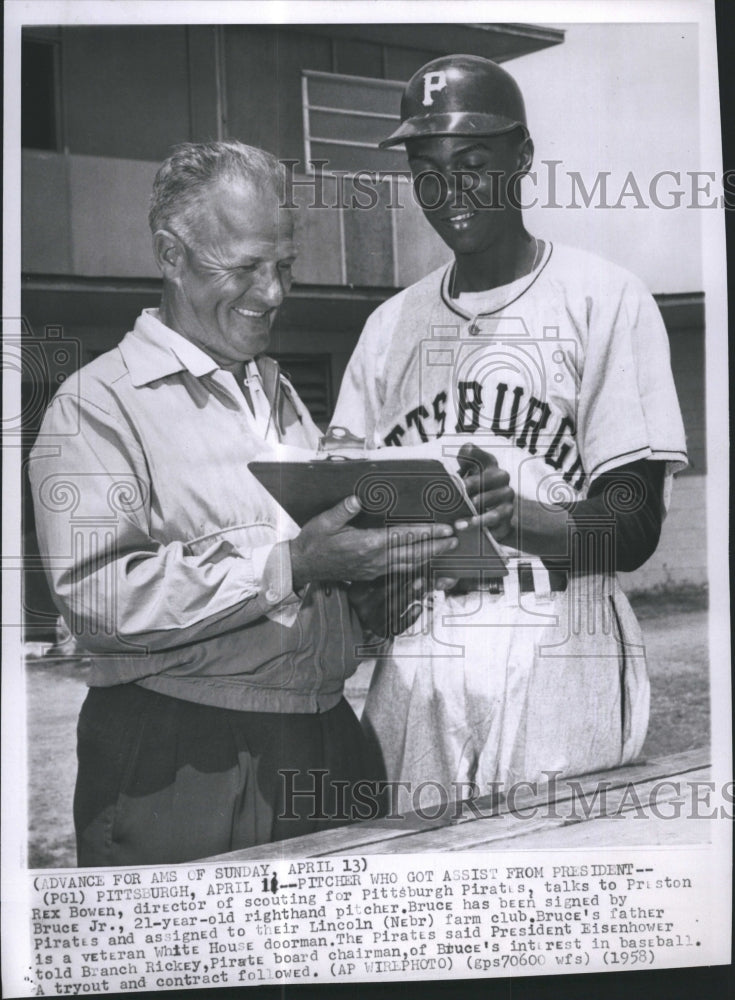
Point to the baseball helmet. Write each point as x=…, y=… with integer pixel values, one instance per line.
x=459, y=95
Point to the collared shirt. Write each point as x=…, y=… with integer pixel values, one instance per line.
x=265, y=425
x=166, y=556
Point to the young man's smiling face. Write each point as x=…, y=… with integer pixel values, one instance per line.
x=465, y=185
x=229, y=284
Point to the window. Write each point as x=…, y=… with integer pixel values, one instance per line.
x=310, y=375
x=345, y=117
x=39, y=128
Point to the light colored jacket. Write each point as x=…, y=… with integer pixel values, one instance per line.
x=167, y=558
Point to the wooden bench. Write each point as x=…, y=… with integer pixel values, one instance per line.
x=659, y=801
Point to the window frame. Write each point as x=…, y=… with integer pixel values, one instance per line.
x=323, y=367
x=392, y=120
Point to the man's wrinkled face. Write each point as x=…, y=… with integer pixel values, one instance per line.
x=466, y=185
x=235, y=275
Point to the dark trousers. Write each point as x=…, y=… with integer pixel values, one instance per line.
x=161, y=780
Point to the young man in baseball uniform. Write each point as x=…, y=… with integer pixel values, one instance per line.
x=549, y=368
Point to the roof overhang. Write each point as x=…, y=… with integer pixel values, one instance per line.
x=494, y=41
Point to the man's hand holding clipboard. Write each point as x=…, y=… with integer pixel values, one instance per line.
x=403, y=527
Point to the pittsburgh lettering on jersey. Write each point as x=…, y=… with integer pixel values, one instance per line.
x=430, y=421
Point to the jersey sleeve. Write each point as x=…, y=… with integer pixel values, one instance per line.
x=628, y=407
x=359, y=403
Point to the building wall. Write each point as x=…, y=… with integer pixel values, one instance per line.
x=681, y=556
x=66, y=232
x=134, y=91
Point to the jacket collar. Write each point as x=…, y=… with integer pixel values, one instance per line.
x=153, y=350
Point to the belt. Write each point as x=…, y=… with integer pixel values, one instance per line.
x=558, y=579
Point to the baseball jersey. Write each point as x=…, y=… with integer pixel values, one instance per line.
x=562, y=374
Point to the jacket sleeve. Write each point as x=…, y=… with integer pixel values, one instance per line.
x=119, y=589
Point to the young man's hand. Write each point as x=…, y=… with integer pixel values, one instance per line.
x=488, y=486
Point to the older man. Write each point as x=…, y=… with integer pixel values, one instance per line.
x=220, y=634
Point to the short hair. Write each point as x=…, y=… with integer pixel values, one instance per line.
x=193, y=167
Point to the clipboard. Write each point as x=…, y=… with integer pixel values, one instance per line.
x=392, y=492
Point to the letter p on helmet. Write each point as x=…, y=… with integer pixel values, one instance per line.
x=432, y=82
